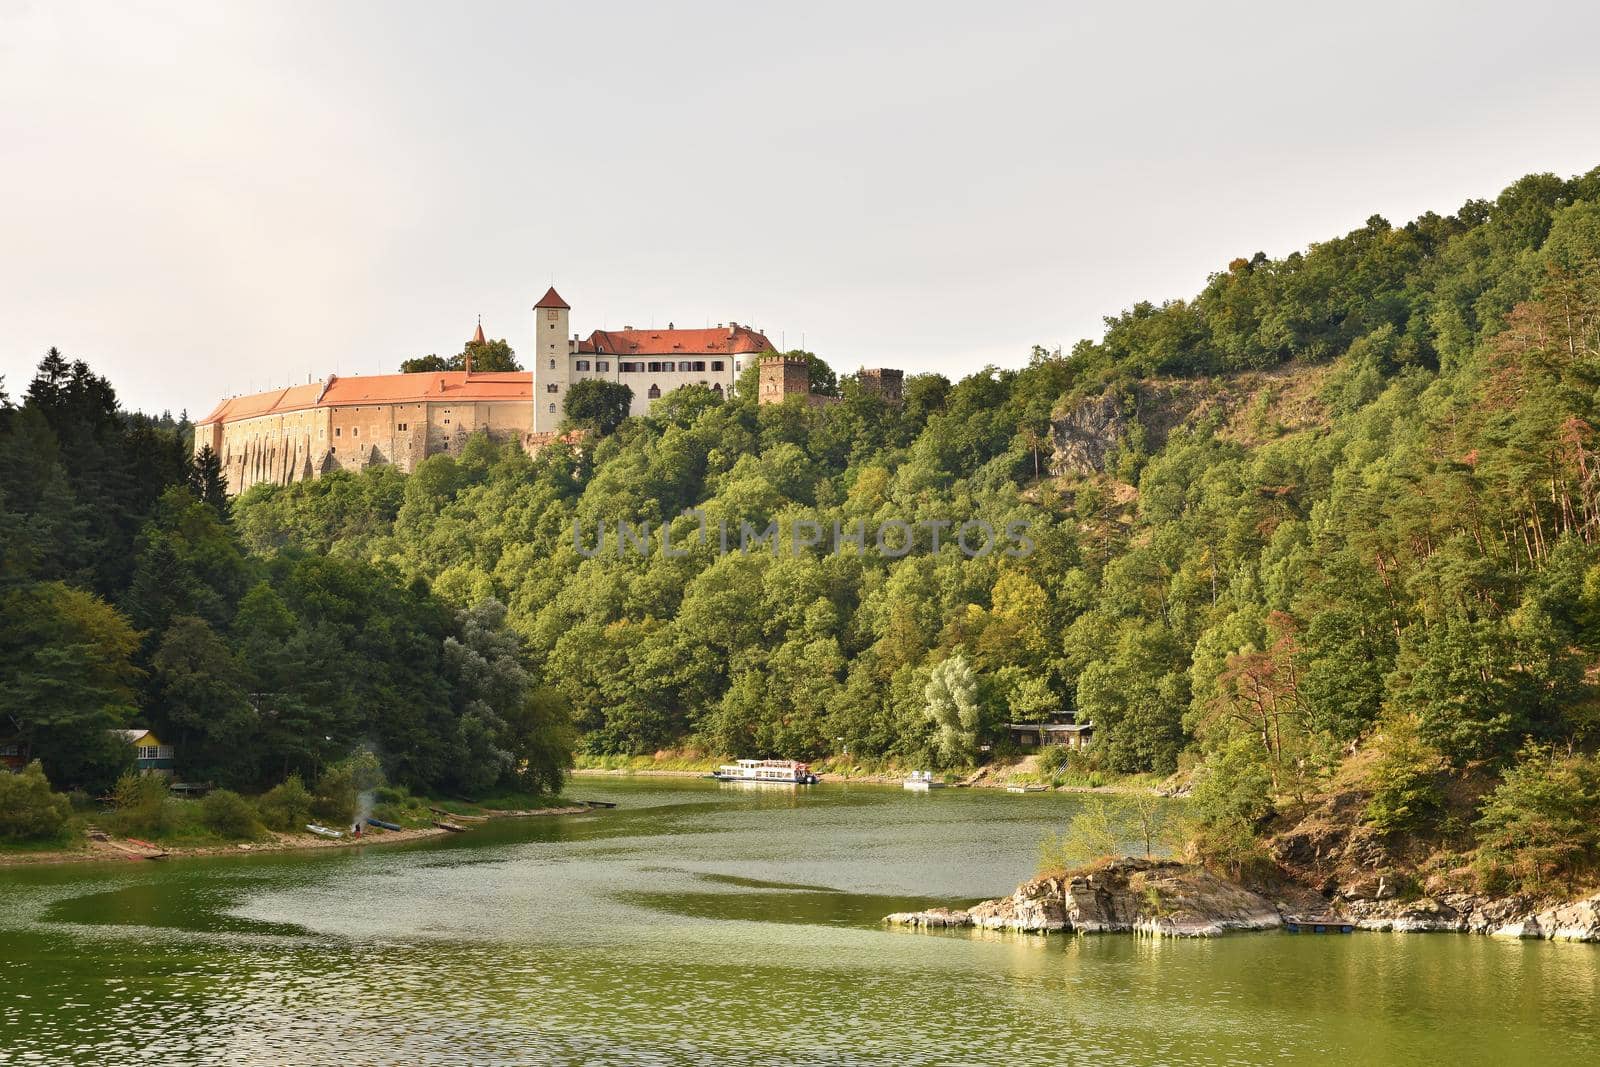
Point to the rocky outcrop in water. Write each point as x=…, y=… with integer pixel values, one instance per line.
x=1122, y=896
x=1164, y=897
x=1469, y=913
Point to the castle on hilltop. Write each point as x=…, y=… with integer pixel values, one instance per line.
x=301, y=432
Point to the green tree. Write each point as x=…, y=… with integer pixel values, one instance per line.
x=70, y=679
x=951, y=701
x=598, y=405
x=1543, y=819
x=29, y=811
x=488, y=357
x=203, y=705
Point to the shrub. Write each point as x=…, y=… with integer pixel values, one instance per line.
x=340, y=787
x=1539, y=824
x=29, y=811
x=1092, y=834
x=286, y=806
x=229, y=814
x=1231, y=798
x=142, y=805
x=1405, y=780
x=1053, y=759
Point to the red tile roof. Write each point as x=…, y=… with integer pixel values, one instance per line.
x=733, y=340
x=435, y=386
x=552, y=299
x=293, y=398
x=429, y=386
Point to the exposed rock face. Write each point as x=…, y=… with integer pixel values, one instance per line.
x=1469, y=913
x=1082, y=437
x=1175, y=899
x=1128, y=895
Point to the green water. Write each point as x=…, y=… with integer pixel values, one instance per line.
x=701, y=924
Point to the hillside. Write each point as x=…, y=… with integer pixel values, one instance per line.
x=1341, y=502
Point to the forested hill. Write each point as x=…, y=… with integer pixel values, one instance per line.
x=1340, y=501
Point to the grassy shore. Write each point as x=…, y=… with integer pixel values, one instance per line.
x=98, y=837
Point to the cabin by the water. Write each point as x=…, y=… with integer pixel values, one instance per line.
x=1061, y=728
x=13, y=754
x=150, y=754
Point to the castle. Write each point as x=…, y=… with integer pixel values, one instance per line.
x=301, y=432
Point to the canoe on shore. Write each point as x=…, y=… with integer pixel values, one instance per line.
x=452, y=827
x=380, y=824
x=458, y=816
x=323, y=831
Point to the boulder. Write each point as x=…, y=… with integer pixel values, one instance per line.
x=1156, y=897
x=933, y=918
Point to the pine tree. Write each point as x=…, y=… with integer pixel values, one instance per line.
x=208, y=481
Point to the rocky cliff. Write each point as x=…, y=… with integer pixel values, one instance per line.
x=1081, y=435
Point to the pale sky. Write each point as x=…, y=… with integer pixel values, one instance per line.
x=213, y=198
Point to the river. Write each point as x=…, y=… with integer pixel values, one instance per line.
x=700, y=923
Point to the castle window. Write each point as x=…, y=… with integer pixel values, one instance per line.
x=602, y=364
x=551, y=388
x=583, y=364
x=699, y=364
x=655, y=391
x=338, y=431
x=738, y=364
x=552, y=364
x=447, y=422
x=655, y=367
x=717, y=388
x=552, y=409
x=356, y=432
x=716, y=364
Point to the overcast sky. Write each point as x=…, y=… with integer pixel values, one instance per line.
x=213, y=198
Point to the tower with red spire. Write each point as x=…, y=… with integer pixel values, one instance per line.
x=552, y=364
x=477, y=339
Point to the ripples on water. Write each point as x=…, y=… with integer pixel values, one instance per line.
x=698, y=925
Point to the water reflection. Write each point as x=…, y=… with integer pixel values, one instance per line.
x=696, y=924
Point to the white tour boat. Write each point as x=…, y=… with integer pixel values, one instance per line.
x=766, y=772
x=921, y=782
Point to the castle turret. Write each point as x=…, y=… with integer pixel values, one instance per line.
x=887, y=383
x=783, y=376
x=551, y=365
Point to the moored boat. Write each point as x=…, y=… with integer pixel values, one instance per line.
x=766, y=772
x=323, y=831
x=921, y=782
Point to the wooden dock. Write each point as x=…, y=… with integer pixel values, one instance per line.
x=1318, y=924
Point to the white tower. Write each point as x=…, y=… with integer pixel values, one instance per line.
x=551, y=364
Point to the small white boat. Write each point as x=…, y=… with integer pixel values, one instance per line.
x=921, y=782
x=1024, y=789
x=323, y=831
x=766, y=772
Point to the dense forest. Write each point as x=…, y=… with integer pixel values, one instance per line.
x=1389, y=537
x=127, y=598
x=1344, y=521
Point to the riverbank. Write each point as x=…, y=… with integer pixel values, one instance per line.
x=1169, y=898
x=985, y=778
x=117, y=849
